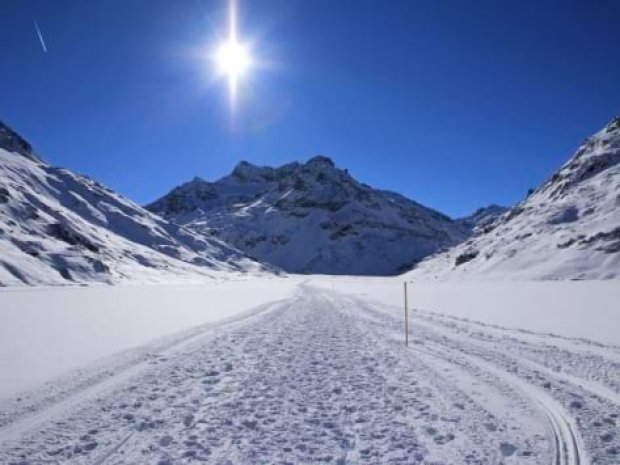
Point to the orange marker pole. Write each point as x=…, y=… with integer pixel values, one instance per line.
x=406, y=317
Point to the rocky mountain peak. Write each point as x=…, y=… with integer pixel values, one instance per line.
x=243, y=165
x=13, y=142
x=321, y=160
x=246, y=171
x=312, y=217
x=197, y=180
x=614, y=125
x=596, y=154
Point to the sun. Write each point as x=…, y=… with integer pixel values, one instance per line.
x=233, y=59
x=232, y=56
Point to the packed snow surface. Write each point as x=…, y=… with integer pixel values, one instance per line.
x=323, y=376
x=568, y=228
x=312, y=218
x=46, y=332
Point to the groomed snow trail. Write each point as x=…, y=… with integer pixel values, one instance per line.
x=574, y=383
x=325, y=378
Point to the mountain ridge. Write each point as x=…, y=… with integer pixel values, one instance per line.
x=267, y=211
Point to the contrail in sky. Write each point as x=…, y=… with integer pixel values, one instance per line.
x=36, y=26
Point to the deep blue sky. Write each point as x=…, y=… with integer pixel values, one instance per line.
x=455, y=104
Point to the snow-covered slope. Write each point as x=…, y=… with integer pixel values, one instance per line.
x=568, y=228
x=58, y=227
x=311, y=218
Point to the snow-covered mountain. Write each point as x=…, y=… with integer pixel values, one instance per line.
x=482, y=218
x=568, y=228
x=58, y=227
x=311, y=218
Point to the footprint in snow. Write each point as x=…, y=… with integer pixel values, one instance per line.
x=507, y=449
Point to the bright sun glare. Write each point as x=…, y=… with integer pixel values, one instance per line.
x=232, y=58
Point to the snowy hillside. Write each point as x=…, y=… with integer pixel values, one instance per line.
x=58, y=227
x=568, y=228
x=311, y=218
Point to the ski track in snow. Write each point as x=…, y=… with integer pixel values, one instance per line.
x=325, y=378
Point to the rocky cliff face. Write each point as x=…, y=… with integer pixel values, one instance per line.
x=482, y=218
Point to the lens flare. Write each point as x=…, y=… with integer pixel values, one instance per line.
x=232, y=57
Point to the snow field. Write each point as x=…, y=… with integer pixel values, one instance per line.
x=46, y=332
x=574, y=309
x=324, y=377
